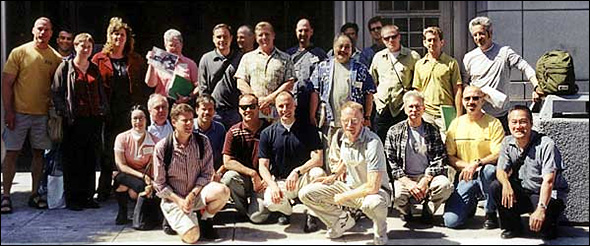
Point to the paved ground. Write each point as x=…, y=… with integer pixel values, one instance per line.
x=30, y=226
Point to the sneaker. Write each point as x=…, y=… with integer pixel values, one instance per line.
x=311, y=223
x=284, y=219
x=207, y=231
x=380, y=240
x=342, y=225
x=491, y=221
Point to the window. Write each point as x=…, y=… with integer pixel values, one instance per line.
x=411, y=17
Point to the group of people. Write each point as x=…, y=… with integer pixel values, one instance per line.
x=341, y=132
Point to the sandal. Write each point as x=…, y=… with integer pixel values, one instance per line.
x=6, y=205
x=35, y=201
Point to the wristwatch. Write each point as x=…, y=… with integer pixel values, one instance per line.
x=298, y=173
x=542, y=205
x=478, y=161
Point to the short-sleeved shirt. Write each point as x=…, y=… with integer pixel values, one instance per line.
x=436, y=80
x=361, y=157
x=242, y=144
x=543, y=158
x=225, y=90
x=286, y=149
x=186, y=68
x=305, y=61
x=265, y=73
x=137, y=155
x=160, y=131
x=492, y=68
x=469, y=140
x=392, y=76
x=34, y=69
x=216, y=135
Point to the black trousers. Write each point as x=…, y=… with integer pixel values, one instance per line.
x=384, y=121
x=526, y=203
x=81, y=144
x=118, y=123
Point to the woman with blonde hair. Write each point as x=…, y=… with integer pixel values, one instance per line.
x=123, y=70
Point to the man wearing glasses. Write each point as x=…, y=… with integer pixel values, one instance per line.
x=240, y=158
x=375, y=25
x=392, y=70
x=362, y=158
x=473, y=145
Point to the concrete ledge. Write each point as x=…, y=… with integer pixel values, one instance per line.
x=571, y=137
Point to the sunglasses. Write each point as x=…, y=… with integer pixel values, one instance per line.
x=374, y=29
x=248, y=106
x=392, y=37
x=475, y=98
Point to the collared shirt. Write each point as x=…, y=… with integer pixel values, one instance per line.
x=543, y=158
x=305, y=61
x=361, y=83
x=370, y=52
x=396, y=144
x=160, y=132
x=393, y=77
x=361, y=157
x=357, y=55
x=436, y=80
x=225, y=91
x=137, y=155
x=469, y=140
x=186, y=170
x=287, y=150
x=186, y=67
x=265, y=73
x=216, y=135
x=242, y=144
x=492, y=68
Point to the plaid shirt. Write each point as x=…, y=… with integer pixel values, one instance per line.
x=395, y=150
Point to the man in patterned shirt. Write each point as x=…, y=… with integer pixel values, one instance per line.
x=417, y=156
x=266, y=71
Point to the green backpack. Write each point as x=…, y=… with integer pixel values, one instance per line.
x=555, y=73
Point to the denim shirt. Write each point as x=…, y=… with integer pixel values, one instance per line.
x=323, y=79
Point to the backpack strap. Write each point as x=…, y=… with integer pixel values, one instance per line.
x=169, y=148
x=200, y=144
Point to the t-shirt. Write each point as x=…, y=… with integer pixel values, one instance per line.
x=34, y=69
x=341, y=90
x=137, y=155
x=416, y=160
x=216, y=135
x=470, y=140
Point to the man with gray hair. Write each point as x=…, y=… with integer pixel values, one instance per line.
x=488, y=67
x=158, y=108
x=185, y=67
x=418, y=159
x=362, y=158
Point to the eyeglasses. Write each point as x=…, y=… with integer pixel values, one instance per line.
x=474, y=98
x=392, y=37
x=248, y=106
x=351, y=121
x=375, y=29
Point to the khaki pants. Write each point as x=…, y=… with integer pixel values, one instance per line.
x=285, y=205
x=320, y=199
x=438, y=122
x=438, y=192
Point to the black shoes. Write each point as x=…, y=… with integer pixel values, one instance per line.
x=122, y=218
x=75, y=206
x=91, y=203
x=507, y=234
x=207, y=231
x=491, y=221
x=284, y=220
x=426, y=216
x=311, y=223
x=407, y=217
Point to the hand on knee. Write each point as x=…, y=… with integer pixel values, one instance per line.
x=192, y=235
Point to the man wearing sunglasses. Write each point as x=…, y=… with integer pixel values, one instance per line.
x=473, y=145
x=240, y=158
x=375, y=24
x=392, y=70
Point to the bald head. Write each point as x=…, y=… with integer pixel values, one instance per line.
x=304, y=31
x=42, y=31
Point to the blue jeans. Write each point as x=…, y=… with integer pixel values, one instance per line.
x=464, y=199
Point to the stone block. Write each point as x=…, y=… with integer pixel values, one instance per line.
x=571, y=137
x=554, y=5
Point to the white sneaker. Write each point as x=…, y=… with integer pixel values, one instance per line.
x=344, y=223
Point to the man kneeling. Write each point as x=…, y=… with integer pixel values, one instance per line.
x=367, y=184
x=183, y=166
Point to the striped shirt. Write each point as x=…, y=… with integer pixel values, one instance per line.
x=186, y=170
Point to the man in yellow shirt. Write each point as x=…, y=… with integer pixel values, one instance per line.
x=26, y=81
x=437, y=75
x=473, y=144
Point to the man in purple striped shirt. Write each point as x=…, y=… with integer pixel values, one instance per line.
x=185, y=184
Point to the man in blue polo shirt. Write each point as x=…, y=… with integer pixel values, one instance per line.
x=290, y=156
